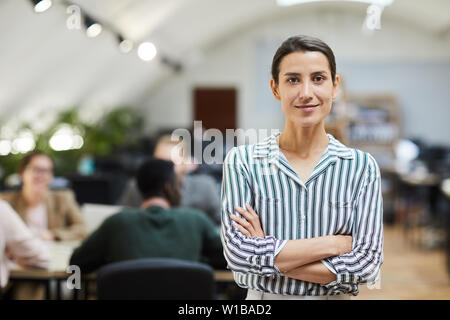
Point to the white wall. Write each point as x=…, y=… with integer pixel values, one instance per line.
x=243, y=60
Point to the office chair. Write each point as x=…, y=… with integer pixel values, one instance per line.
x=156, y=279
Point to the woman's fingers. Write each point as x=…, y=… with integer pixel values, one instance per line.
x=247, y=215
x=252, y=212
x=250, y=209
x=242, y=229
x=251, y=221
x=252, y=216
x=243, y=223
x=254, y=220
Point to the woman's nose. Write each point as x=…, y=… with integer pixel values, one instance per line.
x=306, y=90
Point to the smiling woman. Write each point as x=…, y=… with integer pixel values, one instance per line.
x=304, y=80
x=50, y=214
x=312, y=223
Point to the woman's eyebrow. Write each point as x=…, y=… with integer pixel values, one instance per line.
x=290, y=74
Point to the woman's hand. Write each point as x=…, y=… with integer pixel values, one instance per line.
x=251, y=225
x=47, y=235
x=342, y=244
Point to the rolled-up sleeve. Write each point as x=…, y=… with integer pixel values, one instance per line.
x=363, y=263
x=243, y=254
x=20, y=244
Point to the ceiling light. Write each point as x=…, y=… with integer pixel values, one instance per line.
x=41, y=5
x=23, y=143
x=93, y=28
x=125, y=45
x=5, y=147
x=147, y=51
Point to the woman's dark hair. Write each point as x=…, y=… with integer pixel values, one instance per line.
x=302, y=43
x=25, y=161
x=157, y=178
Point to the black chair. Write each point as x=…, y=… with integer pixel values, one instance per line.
x=156, y=279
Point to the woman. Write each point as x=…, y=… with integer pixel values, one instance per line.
x=19, y=244
x=51, y=215
x=312, y=223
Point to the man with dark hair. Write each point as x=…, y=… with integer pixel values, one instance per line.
x=157, y=179
x=199, y=191
x=157, y=229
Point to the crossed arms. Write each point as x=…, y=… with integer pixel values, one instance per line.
x=299, y=259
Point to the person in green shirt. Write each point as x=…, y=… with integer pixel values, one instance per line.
x=159, y=229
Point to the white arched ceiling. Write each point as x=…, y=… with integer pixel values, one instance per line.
x=45, y=66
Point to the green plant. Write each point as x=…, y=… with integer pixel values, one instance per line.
x=122, y=125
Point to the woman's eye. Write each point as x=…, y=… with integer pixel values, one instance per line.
x=319, y=78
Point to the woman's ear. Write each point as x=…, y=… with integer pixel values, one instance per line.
x=274, y=88
x=336, y=86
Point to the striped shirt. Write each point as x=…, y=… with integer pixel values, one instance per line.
x=342, y=196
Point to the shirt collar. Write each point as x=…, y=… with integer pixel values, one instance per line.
x=269, y=148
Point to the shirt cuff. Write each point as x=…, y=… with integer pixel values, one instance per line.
x=332, y=269
x=279, y=245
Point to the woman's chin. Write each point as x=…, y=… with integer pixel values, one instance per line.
x=306, y=124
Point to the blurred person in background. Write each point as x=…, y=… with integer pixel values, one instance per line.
x=52, y=215
x=160, y=228
x=18, y=244
x=198, y=191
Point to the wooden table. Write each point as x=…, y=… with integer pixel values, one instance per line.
x=60, y=256
x=60, y=253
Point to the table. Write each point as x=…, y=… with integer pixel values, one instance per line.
x=60, y=253
x=60, y=256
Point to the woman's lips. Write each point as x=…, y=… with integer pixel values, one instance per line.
x=307, y=107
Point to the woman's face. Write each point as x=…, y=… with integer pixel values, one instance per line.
x=38, y=174
x=305, y=87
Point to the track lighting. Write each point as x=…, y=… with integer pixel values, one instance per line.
x=146, y=50
x=125, y=45
x=93, y=28
x=41, y=5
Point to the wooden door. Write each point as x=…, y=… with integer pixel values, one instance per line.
x=215, y=107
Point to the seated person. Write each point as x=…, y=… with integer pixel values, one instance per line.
x=198, y=191
x=18, y=244
x=158, y=229
x=50, y=214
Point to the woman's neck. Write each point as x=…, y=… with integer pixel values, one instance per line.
x=303, y=141
x=32, y=197
x=155, y=201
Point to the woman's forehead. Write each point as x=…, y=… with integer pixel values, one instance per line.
x=304, y=62
x=41, y=160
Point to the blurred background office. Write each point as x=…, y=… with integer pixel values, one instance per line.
x=96, y=83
